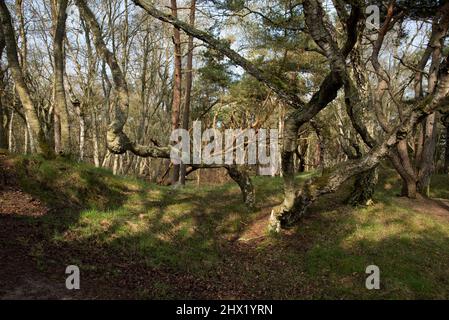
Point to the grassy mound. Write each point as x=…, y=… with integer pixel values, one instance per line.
x=136, y=240
x=62, y=183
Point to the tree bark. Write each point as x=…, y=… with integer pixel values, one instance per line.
x=409, y=188
x=61, y=116
x=189, y=80
x=427, y=163
x=82, y=133
x=96, y=150
x=241, y=177
x=177, y=83
x=23, y=52
x=288, y=213
x=446, y=156
x=364, y=188
x=446, y=153
x=3, y=129
x=3, y=138
x=10, y=133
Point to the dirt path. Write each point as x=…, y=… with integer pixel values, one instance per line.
x=438, y=208
x=19, y=277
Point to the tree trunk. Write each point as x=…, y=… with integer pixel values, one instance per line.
x=177, y=83
x=3, y=138
x=82, y=136
x=297, y=200
x=107, y=160
x=10, y=133
x=241, y=177
x=115, y=165
x=189, y=80
x=61, y=116
x=95, y=139
x=427, y=164
x=409, y=188
x=26, y=139
x=446, y=154
x=3, y=129
x=23, y=53
x=364, y=188
x=82, y=130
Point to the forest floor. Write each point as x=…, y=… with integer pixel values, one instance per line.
x=133, y=240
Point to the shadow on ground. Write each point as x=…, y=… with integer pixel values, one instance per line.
x=138, y=241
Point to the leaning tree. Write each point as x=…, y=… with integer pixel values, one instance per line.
x=322, y=29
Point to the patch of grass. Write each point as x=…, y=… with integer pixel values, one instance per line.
x=64, y=183
x=407, y=246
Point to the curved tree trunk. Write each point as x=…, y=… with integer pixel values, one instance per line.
x=117, y=141
x=35, y=129
x=287, y=214
x=241, y=177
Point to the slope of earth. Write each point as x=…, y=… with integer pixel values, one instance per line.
x=134, y=240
